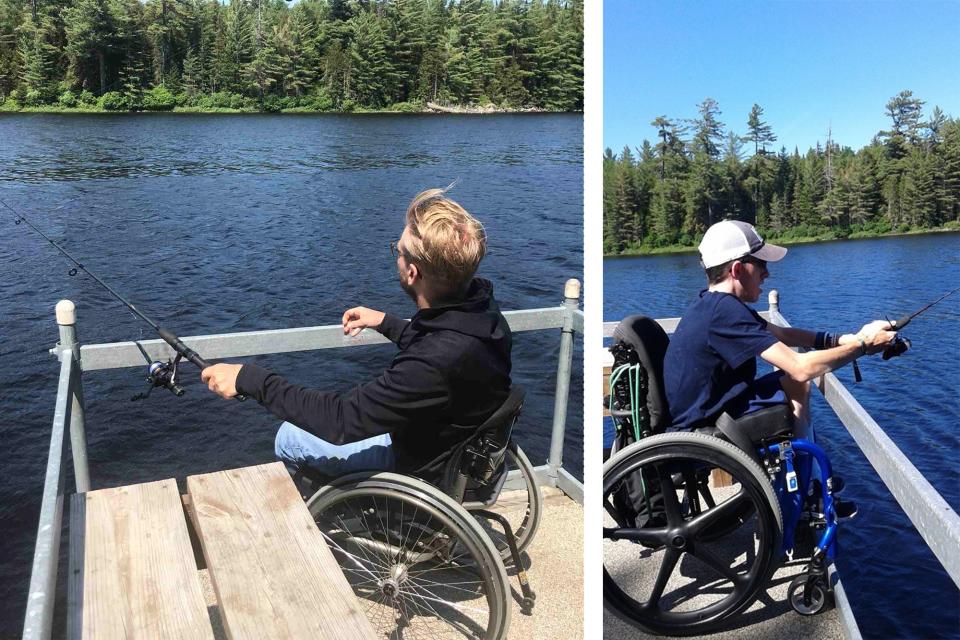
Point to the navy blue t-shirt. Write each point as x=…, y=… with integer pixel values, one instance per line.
x=711, y=362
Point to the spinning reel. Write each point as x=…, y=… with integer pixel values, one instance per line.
x=162, y=374
x=896, y=348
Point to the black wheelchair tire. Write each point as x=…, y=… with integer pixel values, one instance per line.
x=755, y=488
x=422, y=498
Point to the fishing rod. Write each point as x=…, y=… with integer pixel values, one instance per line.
x=900, y=344
x=160, y=374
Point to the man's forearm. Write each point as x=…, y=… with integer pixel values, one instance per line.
x=816, y=363
x=794, y=337
x=807, y=366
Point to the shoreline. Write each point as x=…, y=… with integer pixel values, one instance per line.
x=794, y=241
x=426, y=110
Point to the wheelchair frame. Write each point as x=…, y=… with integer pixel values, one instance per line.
x=785, y=463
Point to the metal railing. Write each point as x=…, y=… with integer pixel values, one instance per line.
x=936, y=522
x=69, y=409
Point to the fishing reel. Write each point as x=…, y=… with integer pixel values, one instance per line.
x=896, y=348
x=162, y=374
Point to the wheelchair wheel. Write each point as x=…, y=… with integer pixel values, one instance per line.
x=692, y=567
x=815, y=599
x=419, y=563
x=520, y=502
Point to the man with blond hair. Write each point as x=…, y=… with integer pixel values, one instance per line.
x=451, y=373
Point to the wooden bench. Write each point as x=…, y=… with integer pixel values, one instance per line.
x=133, y=573
x=271, y=569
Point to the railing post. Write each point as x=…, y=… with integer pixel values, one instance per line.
x=571, y=293
x=67, y=319
x=773, y=298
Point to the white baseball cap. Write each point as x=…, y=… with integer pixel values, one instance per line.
x=731, y=239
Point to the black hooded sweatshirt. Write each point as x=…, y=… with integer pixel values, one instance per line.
x=451, y=374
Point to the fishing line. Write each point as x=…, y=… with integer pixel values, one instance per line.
x=161, y=374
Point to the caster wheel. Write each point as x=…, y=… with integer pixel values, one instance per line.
x=527, y=604
x=818, y=595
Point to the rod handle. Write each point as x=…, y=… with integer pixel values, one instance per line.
x=896, y=325
x=171, y=339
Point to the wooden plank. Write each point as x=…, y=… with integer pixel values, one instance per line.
x=78, y=526
x=138, y=575
x=271, y=569
x=192, y=530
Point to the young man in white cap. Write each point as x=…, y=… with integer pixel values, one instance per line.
x=710, y=366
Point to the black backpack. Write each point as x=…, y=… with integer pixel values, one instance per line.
x=638, y=406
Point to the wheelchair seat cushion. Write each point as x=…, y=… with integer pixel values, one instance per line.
x=766, y=423
x=750, y=429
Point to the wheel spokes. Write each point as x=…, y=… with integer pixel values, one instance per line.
x=725, y=511
x=670, y=558
x=441, y=588
x=670, y=503
x=646, y=536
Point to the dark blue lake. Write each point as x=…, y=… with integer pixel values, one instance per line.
x=897, y=587
x=219, y=224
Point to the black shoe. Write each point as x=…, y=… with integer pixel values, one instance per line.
x=844, y=509
x=837, y=484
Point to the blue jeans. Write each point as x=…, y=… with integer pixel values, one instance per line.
x=296, y=448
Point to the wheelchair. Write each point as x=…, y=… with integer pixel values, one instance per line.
x=427, y=557
x=684, y=555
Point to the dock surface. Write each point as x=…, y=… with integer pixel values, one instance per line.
x=771, y=616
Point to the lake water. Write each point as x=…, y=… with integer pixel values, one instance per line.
x=897, y=587
x=218, y=224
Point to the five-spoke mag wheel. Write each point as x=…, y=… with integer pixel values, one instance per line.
x=706, y=552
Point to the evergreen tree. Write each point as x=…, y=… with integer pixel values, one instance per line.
x=514, y=53
x=37, y=56
x=759, y=132
x=192, y=74
x=905, y=113
x=90, y=29
x=369, y=63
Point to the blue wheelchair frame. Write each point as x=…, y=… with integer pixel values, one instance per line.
x=797, y=456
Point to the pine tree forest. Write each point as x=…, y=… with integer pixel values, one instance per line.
x=697, y=172
x=311, y=55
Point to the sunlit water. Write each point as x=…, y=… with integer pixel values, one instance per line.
x=897, y=587
x=216, y=224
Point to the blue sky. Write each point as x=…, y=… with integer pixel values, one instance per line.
x=810, y=65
